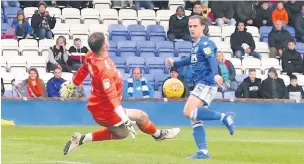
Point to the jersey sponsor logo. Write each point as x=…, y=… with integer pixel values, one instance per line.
x=207, y=51
x=106, y=83
x=193, y=58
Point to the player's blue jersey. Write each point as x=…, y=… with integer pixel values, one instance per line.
x=203, y=60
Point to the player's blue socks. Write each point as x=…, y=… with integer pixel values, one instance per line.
x=205, y=115
x=199, y=135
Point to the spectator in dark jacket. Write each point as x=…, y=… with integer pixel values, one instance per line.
x=245, y=12
x=294, y=90
x=263, y=15
x=293, y=8
x=76, y=61
x=178, y=26
x=291, y=60
x=22, y=27
x=273, y=87
x=299, y=25
x=174, y=74
x=58, y=56
x=250, y=87
x=278, y=39
x=54, y=84
x=223, y=12
x=227, y=71
x=42, y=22
x=242, y=42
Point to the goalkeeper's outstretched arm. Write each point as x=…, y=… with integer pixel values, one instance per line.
x=80, y=75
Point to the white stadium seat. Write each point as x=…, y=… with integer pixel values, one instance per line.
x=3, y=65
x=46, y=77
x=29, y=11
x=163, y=17
x=226, y=33
x=215, y=33
x=267, y=63
x=262, y=48
x=90, y=16
x=29, y=48
x=109, y=16
x=67, y=76
x=128, y=16
x=53, y=11
x=9, y=47
x=102, y=4
x=71, y=15
x=98, y=28
x=254, y=32
x=17, y=65
x=300, y=80
x=224, y=48
x=61, y=29
x=174, y=4
x=44, y=46
x=147, y=17
x=251, y=63
x=286, y=79
x=37, y=62
x=79, y=31
x=237, y=63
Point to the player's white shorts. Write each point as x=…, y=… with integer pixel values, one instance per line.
x=204, y=92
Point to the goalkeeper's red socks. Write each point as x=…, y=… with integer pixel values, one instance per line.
x=149, y=128
x=99, y=135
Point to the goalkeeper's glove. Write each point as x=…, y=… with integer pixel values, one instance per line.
x=131, y=129
x=67, y=89
x=125, y=119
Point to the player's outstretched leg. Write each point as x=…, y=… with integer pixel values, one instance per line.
x=145, y=125
x=78, y=139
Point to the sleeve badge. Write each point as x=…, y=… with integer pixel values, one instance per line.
x=207, y=50
x=106, y=83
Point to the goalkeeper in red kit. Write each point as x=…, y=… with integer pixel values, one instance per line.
x=105, y=100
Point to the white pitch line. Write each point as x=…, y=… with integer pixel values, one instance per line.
x=54, y=162
x=278, y=141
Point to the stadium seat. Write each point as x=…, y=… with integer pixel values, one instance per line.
x=102, y=4
x=79, y=31
x=17, y=65
x=155, y=65
x=44, y=46
x=67, y=75
x=159, y=80
x=3, y=65
x=37, y=62
x=46, y=77
x=219, y=95
x=128, y=16
x=98, y=28
x=226, y=33
x=90, y=16
x=150, y=78
x=87, y=90
x=237, y=63
x=264, y=31
x=240, y=78
x=4, y=27
x=137, y=32
x=262, y=48
x=61, y=29
x=7, y=77
x=224, y=47
x=252, y=63
x=109, y=16
x=125, y=76
x=165, y=49
x=300, y=47
x=29, y=48
x=118, y=32
x=286, y=79
x=28, y=11
x=54, y=11
x=174, y=4
x=156, y=33
x=146, y=49
x=262, y=76
x=254, y=31
x=71, y=15
x=126, y=48
x=215, y=33
x=133, y=62
x=300, y=80
x=120, y=63
x=158, y=94
x=229, y=95
x=267, y=63
x=11, y=13
x=9, y=47
x=291, y=30
x=183, y=48
x=163, y=17
x=147, y=17
x=113, y=49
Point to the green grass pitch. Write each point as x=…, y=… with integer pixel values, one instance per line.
x=38, y=145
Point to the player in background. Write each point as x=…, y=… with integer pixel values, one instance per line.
x=105, y=100
x=206, y=80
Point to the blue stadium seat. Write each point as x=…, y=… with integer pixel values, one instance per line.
x=165, y=49
x=291, y=30
x=300, y=48
x=219, y=95
x=125, y=76
x=264, y=31
x=183, y=48
x=118, y=32
x=240, y=78
x=120, y=63
x=4, y=27
x=87, y=90
x=146, y=49
x=159, y=80
x=10, y=13
x=156, y=33
x=126, y=48
x=150, y=78
x=158, y=94
x=133, y=62
x=137, y=32
x=113, y=49
x=229, y=95
x=155, y=65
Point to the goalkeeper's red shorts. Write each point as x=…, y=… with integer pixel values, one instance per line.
x=106, y=118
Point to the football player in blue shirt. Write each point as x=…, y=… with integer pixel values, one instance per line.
x=206, y=80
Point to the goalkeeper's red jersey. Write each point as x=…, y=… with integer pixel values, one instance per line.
x=106, y=82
